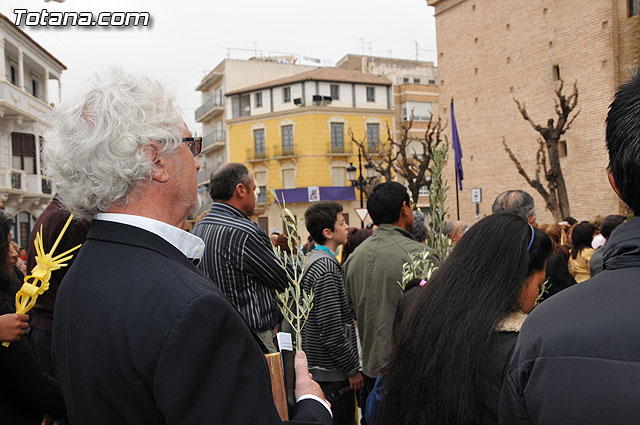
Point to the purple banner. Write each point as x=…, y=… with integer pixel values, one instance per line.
x=456, y=148
x=308, y=194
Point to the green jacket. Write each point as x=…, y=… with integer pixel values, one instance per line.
x=371, y=276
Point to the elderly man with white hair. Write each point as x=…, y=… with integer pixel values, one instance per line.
x=140, y=336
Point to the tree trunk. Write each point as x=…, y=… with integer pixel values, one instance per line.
x=554, y=207
x=415, y=193
x=560, y=188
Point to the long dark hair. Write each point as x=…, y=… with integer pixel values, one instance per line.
x=581, y=237
x=437, y=365
x=6, y=275
x=356, y=237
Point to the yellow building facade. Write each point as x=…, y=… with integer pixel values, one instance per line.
x=300, y=143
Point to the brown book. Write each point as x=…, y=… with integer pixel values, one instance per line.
x=277, y=384
x=283, y=382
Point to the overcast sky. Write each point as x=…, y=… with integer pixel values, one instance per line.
x=188, y=38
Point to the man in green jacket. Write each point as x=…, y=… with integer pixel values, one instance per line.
x=373, y=270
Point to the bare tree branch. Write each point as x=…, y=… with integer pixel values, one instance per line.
x=533, y=183
x=556, y=198
x=525, y=115
x=404, y=156
x=382, y=161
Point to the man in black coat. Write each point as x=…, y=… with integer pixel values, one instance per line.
x=140, y=336
x=577, y=359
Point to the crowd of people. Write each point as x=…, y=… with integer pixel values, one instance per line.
x=522, y=323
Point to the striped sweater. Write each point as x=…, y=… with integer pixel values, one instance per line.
x=329, y=337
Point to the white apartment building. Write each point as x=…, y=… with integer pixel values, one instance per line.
x=29, y=82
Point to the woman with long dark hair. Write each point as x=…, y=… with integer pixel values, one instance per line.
x=354, y=239
x=27, y=393
x=448, y=361
x=581, y=252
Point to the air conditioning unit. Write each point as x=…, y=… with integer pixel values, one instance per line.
x=298, y=101
x=317, y=99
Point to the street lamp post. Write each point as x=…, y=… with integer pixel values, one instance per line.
x=360, y=182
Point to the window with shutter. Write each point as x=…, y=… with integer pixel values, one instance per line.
x=258, y=137
x=338, y=176
x=289, y=177
x=373, y=135
x=337, y=135
x=287, y=138
x=335, y=92
x=23, y=148
x=371, y=94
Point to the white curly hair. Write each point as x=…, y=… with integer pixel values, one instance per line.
x=95, y=152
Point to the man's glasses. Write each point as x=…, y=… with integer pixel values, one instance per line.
x=194, y=143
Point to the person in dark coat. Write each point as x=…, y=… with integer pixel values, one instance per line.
x=558, y=275
x=577, y=359
x=609, y=224
x=51, y=221
x=27, y=393
x=453, y=343
x=140, y=335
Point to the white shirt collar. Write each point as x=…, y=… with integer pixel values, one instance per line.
x=190, y=245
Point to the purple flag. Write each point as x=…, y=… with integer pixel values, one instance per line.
x=456, y=147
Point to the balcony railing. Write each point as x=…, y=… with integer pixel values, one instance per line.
x=20, y=183
x=13, y=180
x=252, y=155
x=280, y=151
x=208, y=108
x=16, y=180
x=417, y=118
x=376, y=148
x=46, y=186
x=213, y=138
x=19, y=101
x=204, y=175
x=340, y=149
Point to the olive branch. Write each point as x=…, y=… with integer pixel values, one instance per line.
x=422, y=264
x=295, y=303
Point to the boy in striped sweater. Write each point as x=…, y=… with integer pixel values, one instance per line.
x=329, y=337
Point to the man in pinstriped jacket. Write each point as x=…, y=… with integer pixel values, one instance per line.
x=238, y=255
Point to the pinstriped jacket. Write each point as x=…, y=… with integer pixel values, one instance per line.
x=239, y=259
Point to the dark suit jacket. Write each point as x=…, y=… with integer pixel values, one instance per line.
x=140, y=336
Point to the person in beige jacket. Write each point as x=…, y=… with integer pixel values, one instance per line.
x=580, y=260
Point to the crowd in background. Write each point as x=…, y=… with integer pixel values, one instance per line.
x=521, y=322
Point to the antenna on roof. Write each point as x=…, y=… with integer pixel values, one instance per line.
x=362, y=42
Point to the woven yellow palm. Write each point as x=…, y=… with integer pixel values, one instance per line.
x=38, y=281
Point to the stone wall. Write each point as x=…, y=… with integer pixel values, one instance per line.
x=492, y=51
